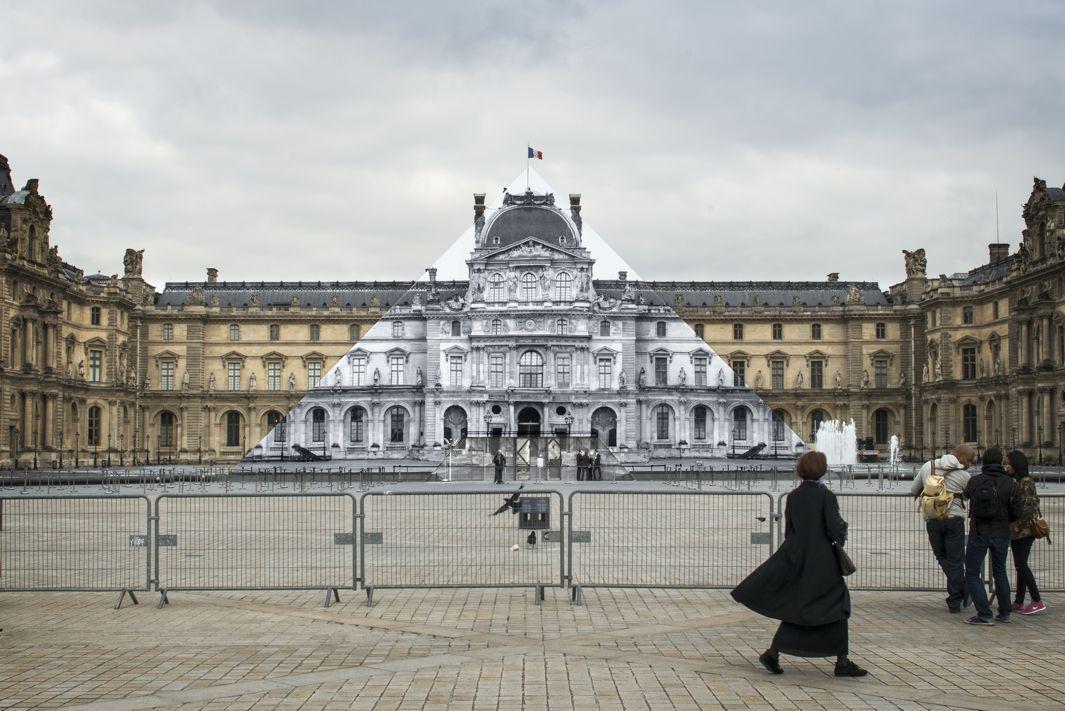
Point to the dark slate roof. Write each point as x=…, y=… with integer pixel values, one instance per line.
x=773, y=293
x=1056, y=194
x=280, y=293
x=16, y=198
x=514, y=224
x=987, y=272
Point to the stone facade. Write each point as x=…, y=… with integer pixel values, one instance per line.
x=104, y=366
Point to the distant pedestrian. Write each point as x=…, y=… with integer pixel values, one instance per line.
x=597, y=466
x=1021, y=535
x=801, y=584
x=938, y=488
x=499, y=461
x=582, y=464
x=993, y=506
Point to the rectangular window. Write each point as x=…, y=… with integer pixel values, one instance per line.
x=234, y=332
x=739, y=373
x=168, y=331
x=275, y=332
x=357, y=429
x=166, y=375
x=661, y=371
x=777, y=373
x=96, y=366
x=273, y=375
x=397, y=329
x=967, y=315
x=737, y=331
x=315, y=332
x=233, y=375
x=358, y=371
x=606, y=373
x=700, y=372
x=881, y=331
x=778, y=331
x=699, y=330
x=563, y=370
x=968, y=363
x=994, y=310
x=880, y=372
x=662, y=423
x=314, y=374
x=815, y=331
x=817, y=374
x=495, y=370
x=95, y=315
x=700, y=423
x=456, y=371
x=660, y=329
x=395, y=367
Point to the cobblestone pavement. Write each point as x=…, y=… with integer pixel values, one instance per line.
x=486, y=649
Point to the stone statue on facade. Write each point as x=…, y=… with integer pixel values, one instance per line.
x=629, y=293
x=54, y=260
x=546, y=277
x=210, y=382
x=254, y=300
x=376, y=376
x=865, y=380
x=195, y=297
x=132, y=262
x=131, y=376
x=419, y=378
x=621, y=379
x=682, y=376
x=185, y=380
x=336, y=377
x=252, y=382
x=291, y=380
x=902, y=379
x=81, y=369
x=839, y=380
x=998, y=365
x=512, y=285
x=759, y=379
x=584, y=282
x=147, y=382
x=721, y=378
x=799, y=379
x=924, y=373
x=937, y=365
x=1024, y=256
x=983, y=368
x=916, y=263
x=641, y=378
x=854, y=294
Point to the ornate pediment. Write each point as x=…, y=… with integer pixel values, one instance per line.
x=166, y=355
x=312, y=357
x=274, y=356
x=532, y=248
x=529, y=198
x=233, y=355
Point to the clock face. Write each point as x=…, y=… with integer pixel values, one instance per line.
x=529, y=324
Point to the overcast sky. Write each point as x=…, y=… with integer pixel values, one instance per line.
x=710, y=141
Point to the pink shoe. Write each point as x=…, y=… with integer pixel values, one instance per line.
x=1017, y=607
x=1034, y=608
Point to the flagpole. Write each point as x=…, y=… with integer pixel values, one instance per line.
x=528, y=160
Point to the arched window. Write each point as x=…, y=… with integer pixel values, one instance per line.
x=396, y=420
x=968, y=423
x=497, y=326
x=604, y=328
x=357, y=425
x=699, y=422
x=495, y=288
x=779, y=425
x=531, y=370
x=232, y=429
x=528, y=286
x=881, y=424
x=166, y=429
x=740, y=418
x=234, y=331
x=662, y=417
x=275, y=423
x=816, y=418
x=563, y=282
x=95, y=424
x=318, y=425
x=456, y=328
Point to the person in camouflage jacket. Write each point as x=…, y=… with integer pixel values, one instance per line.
x=1021, y=538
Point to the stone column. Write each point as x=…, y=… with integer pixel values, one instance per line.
x=27, y=419
x=47, y=426
x=1048, y=415
x=1022, y=345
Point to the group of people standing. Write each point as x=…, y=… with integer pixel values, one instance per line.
x=802, y=583
x=589, y=465
x=1002, y=507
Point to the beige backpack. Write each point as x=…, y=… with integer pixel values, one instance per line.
x=935, y=500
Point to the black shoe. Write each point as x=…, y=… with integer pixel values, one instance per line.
x=954, y=610
x=1004, y=619
x=772, y=663
x=849, y=668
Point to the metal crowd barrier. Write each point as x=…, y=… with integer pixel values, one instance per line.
x=674, y=539
x=75, y=543
x=452, y=539
x=255, y=542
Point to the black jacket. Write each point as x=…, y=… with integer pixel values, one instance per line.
x=499, y=460
x=801, y=582
x=1009, y=502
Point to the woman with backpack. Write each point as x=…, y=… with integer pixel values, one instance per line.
x=802, y=583
x=1021, y=536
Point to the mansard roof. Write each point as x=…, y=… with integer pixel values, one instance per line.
x=764, y=293
x=528, y=215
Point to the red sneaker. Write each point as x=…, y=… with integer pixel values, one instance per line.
x=1034, y=608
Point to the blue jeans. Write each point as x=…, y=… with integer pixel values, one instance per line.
x=947, y=537
x=975, y=555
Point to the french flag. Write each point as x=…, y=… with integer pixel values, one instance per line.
x=538, y=155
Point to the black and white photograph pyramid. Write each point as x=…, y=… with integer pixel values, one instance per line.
x=529, y=339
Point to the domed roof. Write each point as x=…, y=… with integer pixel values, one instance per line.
x=527, y=216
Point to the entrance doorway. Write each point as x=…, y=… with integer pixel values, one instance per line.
x=528, y=422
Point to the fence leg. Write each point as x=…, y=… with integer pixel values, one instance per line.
x=538, y=594
x=576, y=596
x=331, y=594
x=122, y=596
x=369, y=597
x=163, y=599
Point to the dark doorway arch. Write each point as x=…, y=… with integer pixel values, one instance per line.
x=455, y=425
x=605, y=427
x=529, y=422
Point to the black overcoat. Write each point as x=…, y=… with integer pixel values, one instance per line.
x=801, y=582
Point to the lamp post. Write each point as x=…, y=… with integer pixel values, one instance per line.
x=148, y=450
x=1039, y=434
x=77, y=448
x=121, y=454
x=487, y=444
x=136, y=441
x=199, y=447
x=96, y=450
x=18, y=448
x=1061, y=437
x=35, y=449
x=60, y=449
x=108, y=449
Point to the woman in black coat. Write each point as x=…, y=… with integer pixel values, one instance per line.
x=801, y=584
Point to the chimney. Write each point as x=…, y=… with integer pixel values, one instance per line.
x=998, y=251
x=212, y=275
x=6, y=186
x=622, y=276
x=833, y=276
x=432, y=273
x=575, y=203
x=31, y=185
x=478, y=205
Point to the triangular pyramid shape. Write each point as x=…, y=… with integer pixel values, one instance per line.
x=529, y=325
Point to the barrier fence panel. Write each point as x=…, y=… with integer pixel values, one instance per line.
x=452, y=539
x=679, y=539
x=75, y=543
x=255, y=542
x=1048, y=560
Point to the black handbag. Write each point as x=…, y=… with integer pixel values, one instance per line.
x=846, y=565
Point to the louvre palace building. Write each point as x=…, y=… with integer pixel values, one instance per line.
x=537, y=338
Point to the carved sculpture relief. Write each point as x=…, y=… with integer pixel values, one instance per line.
x=916, y=263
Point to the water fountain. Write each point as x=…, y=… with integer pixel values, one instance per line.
x=896, y=451
x=838, y=442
